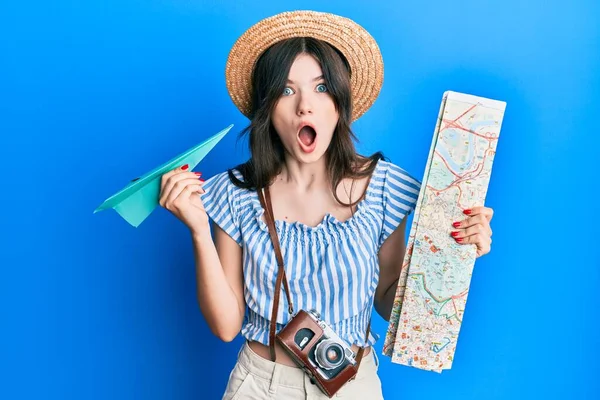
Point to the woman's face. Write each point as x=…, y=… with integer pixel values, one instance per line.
x=305, y=116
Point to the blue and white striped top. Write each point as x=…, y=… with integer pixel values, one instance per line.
x=332, y=268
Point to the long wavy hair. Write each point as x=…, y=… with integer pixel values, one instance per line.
x=266, y=150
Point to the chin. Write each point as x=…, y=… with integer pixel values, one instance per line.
x=309, y=158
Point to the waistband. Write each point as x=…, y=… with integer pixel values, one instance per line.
x=288, y=375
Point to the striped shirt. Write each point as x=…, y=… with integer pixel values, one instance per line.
x=332, y=268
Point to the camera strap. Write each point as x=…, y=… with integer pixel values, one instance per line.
x=266, y=205
x=265, y=202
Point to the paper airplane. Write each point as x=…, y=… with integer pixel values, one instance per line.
x=140, y=197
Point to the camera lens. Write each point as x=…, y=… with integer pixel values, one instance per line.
x=329, y=354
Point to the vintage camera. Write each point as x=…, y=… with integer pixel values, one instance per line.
x=329, y=355
x=319, y=351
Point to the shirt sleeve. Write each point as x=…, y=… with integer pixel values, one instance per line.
x=222, y=205
x=400, y=194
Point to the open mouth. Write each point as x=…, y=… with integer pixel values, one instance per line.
x=307, y=136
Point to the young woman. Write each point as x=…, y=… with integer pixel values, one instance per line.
x=340, y=217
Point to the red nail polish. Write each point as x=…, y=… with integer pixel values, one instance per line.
x=459, y=240
x=456, y=224
x=202, y=180
x=454, y=234
x=198, y=173
x=468, y=212
x=185, y=167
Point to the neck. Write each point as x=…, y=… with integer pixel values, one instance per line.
x=303, y=176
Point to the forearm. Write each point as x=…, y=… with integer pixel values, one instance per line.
x=216, y=298
x=391, y=256
x=385, y=303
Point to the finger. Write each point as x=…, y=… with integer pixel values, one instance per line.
x=176, y=184
x=480, y=224
x=470, y=231
x=166, y=176
x=181, y=193
x=186, y=194
x=485, y=211
x=482, y=251
x=474, y=221
x=465, y=223
x=168, y=185
x=482, y=242
x=484, y=248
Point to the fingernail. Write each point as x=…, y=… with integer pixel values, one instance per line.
x=185, y=167
x=454, y=234
x=198, y=173
x=468, y=212
x=459, y=240
x=202, y=180
x=456, y=224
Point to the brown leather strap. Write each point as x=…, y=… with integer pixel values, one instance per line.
x=265, y=202
x=275, y=240
x=266, y=205
x=361, y=351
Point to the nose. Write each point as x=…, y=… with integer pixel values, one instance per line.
x=305, y=104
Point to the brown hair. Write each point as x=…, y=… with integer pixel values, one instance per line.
x=268, y=82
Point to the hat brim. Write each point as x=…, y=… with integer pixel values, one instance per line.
x=352, y=40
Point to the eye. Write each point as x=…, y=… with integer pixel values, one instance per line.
x=322, y=88
x=288, y=91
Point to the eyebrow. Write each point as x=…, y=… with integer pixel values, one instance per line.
x=318, y=78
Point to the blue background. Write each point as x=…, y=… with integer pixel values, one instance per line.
x=95, y=93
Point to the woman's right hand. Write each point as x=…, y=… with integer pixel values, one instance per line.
x=180, y=194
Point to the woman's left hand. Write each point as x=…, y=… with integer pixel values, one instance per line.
x=475, y=229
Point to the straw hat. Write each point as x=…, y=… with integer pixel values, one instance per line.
x=352, y=40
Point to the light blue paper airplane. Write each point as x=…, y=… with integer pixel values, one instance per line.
x=140, y=197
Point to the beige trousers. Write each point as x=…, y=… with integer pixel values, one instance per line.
x=256, y=378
